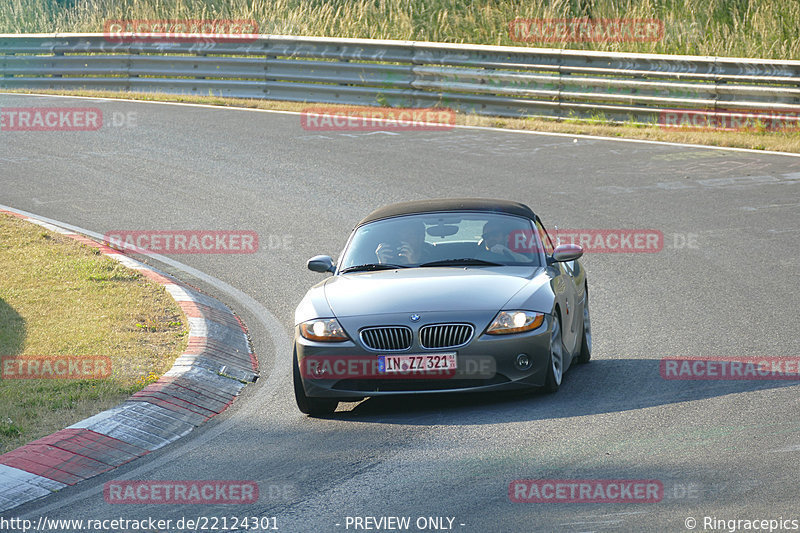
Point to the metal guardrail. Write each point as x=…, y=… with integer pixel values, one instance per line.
x=487, y=80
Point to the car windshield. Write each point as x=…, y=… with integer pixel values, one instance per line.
x=443, y=239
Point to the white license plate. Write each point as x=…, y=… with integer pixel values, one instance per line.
x=411, y=363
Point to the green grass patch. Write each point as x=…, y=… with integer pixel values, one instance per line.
x=62, y=298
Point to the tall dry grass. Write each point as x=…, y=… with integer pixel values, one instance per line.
x=742, y=28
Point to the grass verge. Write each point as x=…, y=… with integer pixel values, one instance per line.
x=62, y=298
x=777, y=141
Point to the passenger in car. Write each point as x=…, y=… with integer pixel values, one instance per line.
x=407, y=247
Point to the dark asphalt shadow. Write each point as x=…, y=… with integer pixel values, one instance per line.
x=602, y=386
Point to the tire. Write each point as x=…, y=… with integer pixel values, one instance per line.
x=586, y=337
x=555, y=363
x=309, y=406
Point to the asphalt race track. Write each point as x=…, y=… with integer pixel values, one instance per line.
x=724, y=284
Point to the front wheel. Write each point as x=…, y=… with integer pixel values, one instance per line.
x=309, y=406
x=555, y=364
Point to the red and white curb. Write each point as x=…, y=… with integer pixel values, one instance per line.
x=202, y=383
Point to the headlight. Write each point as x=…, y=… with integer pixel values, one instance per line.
x=323, y=330
x=515, y=322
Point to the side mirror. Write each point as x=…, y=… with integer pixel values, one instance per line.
x=567, y=252
x=321, y=263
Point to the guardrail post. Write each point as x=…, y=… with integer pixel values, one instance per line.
x=57, y=54
x=269, y=59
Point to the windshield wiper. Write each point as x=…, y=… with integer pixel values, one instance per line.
x=461, y=262
x=371, y=266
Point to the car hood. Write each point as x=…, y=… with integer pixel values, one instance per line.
x=416, y=290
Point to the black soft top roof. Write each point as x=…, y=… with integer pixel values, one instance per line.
x=455, y=204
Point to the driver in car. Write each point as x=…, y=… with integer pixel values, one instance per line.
x=493, y=246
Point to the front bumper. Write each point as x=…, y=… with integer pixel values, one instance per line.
x=487, y=363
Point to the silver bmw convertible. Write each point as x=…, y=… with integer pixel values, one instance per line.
x=440, y=296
